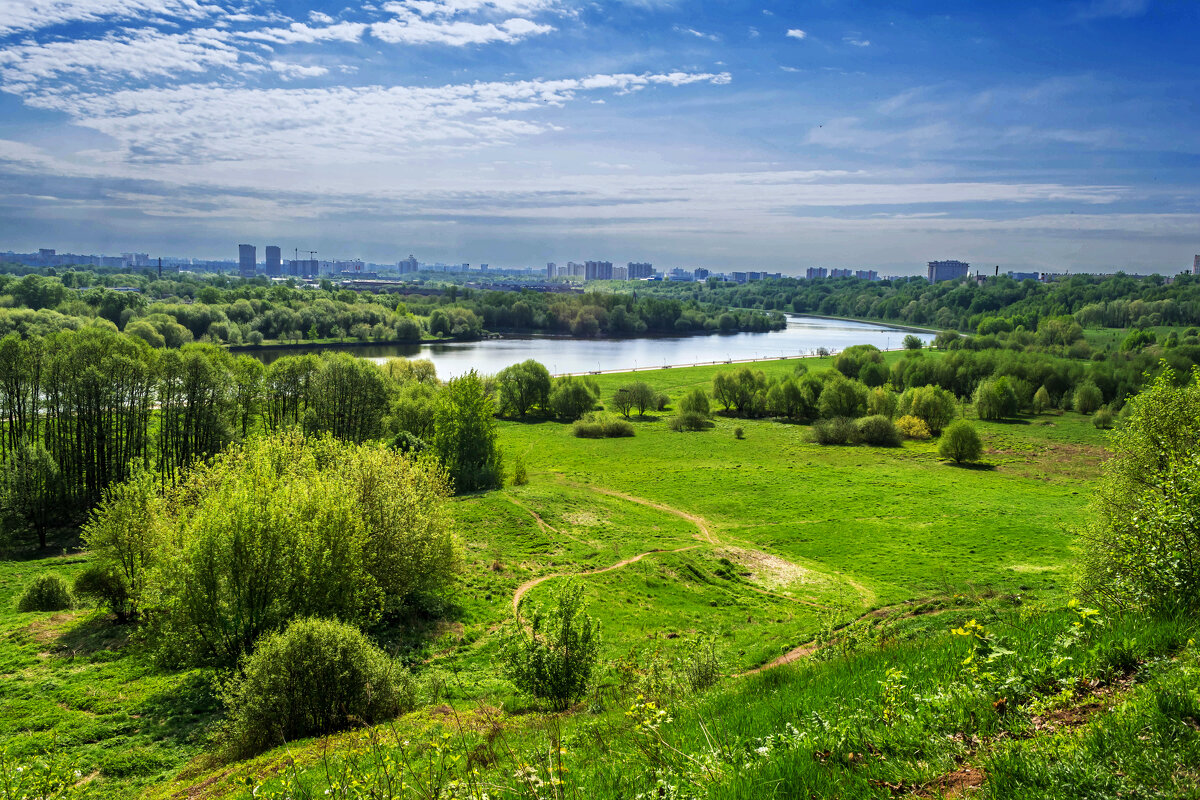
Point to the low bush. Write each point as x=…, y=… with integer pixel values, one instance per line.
x=661, y=401
x=48, y=592
x=317, y=676
x=1103, y=419
x=837, y=430
x=960, y=442
x=695, y=401
x=107, y=587
x=520, y=475
x=913, y=427
x=689, y=421
x=601, y=426
x=739, y=433
x=877, y=431
x=554, y=657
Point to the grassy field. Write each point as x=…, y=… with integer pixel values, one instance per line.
x=768, y=542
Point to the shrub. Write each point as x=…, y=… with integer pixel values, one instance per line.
x=1087, y=398
x=283, y=528
x=523, y=387
x=315, y=677
x=739, y=433
x=913, y=428
x=960, y=442
x=995, y=399
x=838, y=430
x=573, y=397
x=882, y=400
x=701, y=666
x=695, y=402
x=912, y=342
x=689, y=421
x=106, y=586
x=1041, y=400
x=1103, y=419
x=931, y=403
x=661, y=401
x=519, y=477
x=637, y=395
x=877, y=431
x=406, y=442
x=554, y=657
x=598, y=425
x=842, y=397
x=48, y=592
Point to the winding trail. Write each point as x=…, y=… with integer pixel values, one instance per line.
x=527, y=585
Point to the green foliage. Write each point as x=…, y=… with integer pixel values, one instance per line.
x=701, y=662
x=841, y=397
x=744, y=390
x=520, y=476
x=523, y=387
x=882, y=401
x=877, y=431
x=315, y=677
x=913, y=428
x=637, y=395
x=1137, y=339
x=1103, y=418
x=995, y=399
x=404, y=442
x=739, y=432
x=1041, y=400
x=834, y=430
x=695, y=402
x=348, y=400
x=281, y=528
x=931, y=404
x=689, y=421
x=912, y=342
x=29, y=489
x=125, y=537
x=960, y=442
x=1143, y=547
x=573, y=397
x=554, y=657
x=1088, y=398
x=851, y=361
x=464, y=436
x=600, y=425
x=47, y=592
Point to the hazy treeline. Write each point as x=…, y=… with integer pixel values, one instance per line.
x=996, y=304
x=177, y=309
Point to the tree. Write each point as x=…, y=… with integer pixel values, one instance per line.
x=554, y=657
x=995, y=399
x=882, y=401
x=523, y=387
x=349, y=398
x=1142, y=548
x=464, y=435
x=960, y=442
x=842, y=398
x=123, y=536
x=933, y=404
x=572, y=397
x=29, y=493
x=642, y=395
x=1041, y=400
x=1088, y=398
x=912, y=342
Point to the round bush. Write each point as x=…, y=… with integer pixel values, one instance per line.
x=1088, y=398
x=689, y=421
x=913, y=427
x=48, y=592
x=1103, y=419
x=877, y=431
x=960, y=442
x=315, y=677
x=838, y=430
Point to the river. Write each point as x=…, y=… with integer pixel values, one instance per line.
x=802, y=336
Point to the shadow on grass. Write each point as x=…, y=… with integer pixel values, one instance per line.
x=92, y=634
x=62, y=540
x=976, y=467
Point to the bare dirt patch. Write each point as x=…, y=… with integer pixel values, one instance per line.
x=766, y=569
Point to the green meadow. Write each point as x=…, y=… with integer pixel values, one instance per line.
x=769, y=543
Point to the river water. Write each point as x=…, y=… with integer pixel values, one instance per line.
x=802, y=336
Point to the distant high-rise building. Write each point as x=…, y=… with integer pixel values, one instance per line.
x=947, y=270
x=274, y=261
x=639, y=270
x=700, y=273
x=407, y=265
x=816, y=272
x=597, y=270
x=841, y=273
x=866, y=274
x=1196, y=265
x=247, y=255
x=551, y=269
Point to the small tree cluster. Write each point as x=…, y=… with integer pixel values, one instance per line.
x=554, y=657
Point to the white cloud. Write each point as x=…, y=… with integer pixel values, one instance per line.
x=415, y=30
x=796, y=33
x=693, y=32
x=290, y=71
x=29, y=15
x=320, y=18
x=856, y=40
x=299, y=32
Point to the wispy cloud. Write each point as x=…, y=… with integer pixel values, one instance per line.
x=856, y=41
x=796, y=33
x=712, y=37
x=1109, y=9
x=29, y=15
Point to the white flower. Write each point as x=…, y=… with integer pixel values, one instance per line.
x=762, y=751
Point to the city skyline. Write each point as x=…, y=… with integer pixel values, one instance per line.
x=765, y=136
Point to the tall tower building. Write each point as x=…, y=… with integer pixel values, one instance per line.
x=947, y=270
x=1196, y=265
x=274, y=261
x=247, y=256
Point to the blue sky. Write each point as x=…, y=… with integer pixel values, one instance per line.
x=1048, y=135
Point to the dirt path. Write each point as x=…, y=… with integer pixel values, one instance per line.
x=527, y=585
x=696, y=520
x=545, y=526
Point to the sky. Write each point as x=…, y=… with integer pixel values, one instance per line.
x=1060, y=136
